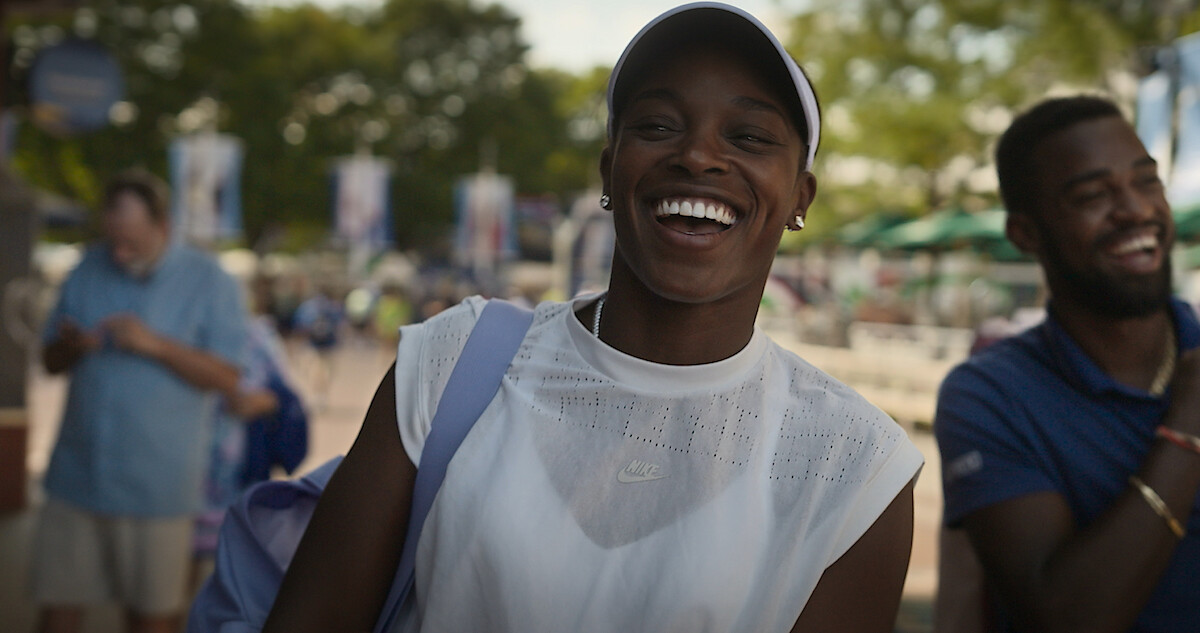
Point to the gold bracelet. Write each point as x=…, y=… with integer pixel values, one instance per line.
x=1158, y=505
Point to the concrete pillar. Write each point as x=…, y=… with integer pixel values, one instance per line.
x=19, y=221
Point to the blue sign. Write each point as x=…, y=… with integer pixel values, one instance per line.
x=72, y=86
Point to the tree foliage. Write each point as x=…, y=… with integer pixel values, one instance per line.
x=915, y=91
x=440, y=87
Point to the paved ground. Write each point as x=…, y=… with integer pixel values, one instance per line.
x=357, y=369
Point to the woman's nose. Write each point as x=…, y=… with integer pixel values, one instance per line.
x=702, y=152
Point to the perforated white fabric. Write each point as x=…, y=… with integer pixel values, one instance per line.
x=601, y=492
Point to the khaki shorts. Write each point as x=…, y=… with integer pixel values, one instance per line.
x=83, y=558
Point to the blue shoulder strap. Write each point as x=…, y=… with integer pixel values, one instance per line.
x=473, y=383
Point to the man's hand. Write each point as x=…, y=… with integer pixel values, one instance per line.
x=128, y=333
x=71, y=345
x=248, y=405
x=77, y=339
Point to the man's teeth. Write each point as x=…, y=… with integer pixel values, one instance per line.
x=714, y=211
x=1142, y=243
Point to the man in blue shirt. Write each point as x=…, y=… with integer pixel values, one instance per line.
x=150, y=332
x=1071, y=452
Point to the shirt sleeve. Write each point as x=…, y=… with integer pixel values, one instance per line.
x=422, y=349
x=901, y=466
x=983, y=435
x=412, y=416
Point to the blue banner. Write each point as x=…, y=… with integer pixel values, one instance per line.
x=206, y=198
x=483, y=205
x=362, y=202
x=72, y=86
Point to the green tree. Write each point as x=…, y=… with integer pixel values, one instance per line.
x=915, y=91
x=171, y=53
x=439, y=87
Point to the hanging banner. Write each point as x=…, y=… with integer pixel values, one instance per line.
x=362, y=203
x=72, y=86
x=206, y=193
x=483, y=205
x=1155, y=107
x=1183, y=189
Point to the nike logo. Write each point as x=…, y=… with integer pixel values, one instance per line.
x=638, y=471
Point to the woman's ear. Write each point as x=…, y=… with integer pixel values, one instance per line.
x=605, y=169
x=806, y=192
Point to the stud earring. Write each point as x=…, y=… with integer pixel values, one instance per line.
x=605, y=201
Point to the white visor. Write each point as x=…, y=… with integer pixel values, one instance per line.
x=726, y=15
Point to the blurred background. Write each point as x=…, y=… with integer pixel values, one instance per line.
x=399, y=155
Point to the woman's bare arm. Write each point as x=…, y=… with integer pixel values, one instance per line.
x=860, y=593
x=339, y=578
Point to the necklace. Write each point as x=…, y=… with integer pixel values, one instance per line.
x=1167, y=369
x=596, y=316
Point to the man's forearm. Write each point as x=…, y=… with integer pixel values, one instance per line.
x=1114, y=568
x=1096, y=579
x=199, y=368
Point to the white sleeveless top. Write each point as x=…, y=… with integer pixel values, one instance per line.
x=601, y=492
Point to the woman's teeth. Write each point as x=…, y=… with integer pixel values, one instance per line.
x=704, y=209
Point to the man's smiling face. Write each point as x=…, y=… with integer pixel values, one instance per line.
x=1104, y=229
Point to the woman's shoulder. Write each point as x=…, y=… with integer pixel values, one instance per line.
x=823, y=406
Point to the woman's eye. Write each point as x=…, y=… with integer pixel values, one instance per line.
x=653, y=128
x=753, y=139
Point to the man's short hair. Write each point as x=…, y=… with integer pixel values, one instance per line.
x=1015, y=167
x=150, y=188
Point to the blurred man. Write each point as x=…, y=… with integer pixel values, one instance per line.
x=150, y=332
x=1071, y=452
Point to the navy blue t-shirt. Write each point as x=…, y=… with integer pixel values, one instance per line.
x=1033, y=413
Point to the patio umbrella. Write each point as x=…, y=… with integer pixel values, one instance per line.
x=864, y=231
x=946, y=229
x=1187, y=222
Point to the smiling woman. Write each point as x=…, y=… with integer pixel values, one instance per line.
x=707, y=125
x=651, y=461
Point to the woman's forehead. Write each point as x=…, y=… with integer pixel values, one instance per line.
x=721, y=74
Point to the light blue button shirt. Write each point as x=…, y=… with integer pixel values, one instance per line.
x=135, y=436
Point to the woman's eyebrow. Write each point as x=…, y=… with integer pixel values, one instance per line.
x=654, y=94
x=750, y=103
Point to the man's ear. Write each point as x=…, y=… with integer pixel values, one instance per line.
x=1023, y=232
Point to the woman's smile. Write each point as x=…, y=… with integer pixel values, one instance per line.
x=694, y=216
